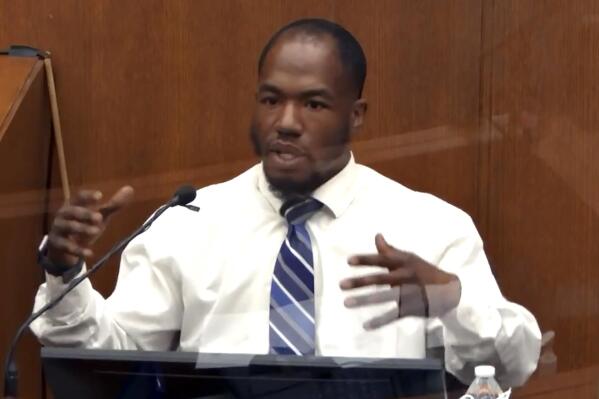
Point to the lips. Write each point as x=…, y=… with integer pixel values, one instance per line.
x=285, y=149
x=284, y=154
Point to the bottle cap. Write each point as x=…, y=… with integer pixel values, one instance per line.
x=484, y=371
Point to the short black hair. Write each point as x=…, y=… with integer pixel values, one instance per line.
x=350, y=52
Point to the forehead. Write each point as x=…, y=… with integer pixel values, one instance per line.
x=303, y=63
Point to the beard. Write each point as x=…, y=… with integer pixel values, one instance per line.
x=289, y=189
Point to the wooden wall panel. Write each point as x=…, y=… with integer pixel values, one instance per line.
x=423, y=61
x=543, y=197
x=423, y=87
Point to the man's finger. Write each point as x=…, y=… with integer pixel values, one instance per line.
x=413, y=301
x=397, y=277
x=80, y=214
x=368, y=260
x=391, y=261
x=382, y=246
x=390, y=295
x=410, y=302
x=120, y=199
x=67, y=227
x=66, y=246
x=86, y=198
x=363, y=281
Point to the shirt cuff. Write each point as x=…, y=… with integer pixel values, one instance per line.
x=473, y=320
x=67, y=273
x=57, y=284
x=71, y=306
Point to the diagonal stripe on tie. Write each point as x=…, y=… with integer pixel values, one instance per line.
x=293, y=325
x=280, y=344
x=304, y=239
x=291, y=319
x=305, y=272
x=298, y=214
x=281, y=296
x=299, y=279
x=292, y=329
x=290, y=284
x=307, y=263
x=300, y=242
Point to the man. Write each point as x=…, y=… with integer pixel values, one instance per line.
x=307, y=252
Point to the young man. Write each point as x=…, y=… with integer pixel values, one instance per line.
x=307, y=252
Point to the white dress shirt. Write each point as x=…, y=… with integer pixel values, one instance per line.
x=200, y=281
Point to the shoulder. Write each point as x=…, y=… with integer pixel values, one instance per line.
x=231, y=192
x=394, y=198
x=181, y=231
x=212, y=202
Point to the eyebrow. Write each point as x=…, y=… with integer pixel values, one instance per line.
x=319, y=92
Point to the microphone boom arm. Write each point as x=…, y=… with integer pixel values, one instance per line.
x=183, y=196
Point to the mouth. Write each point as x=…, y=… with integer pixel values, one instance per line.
x=285, y=154
x=284, y=158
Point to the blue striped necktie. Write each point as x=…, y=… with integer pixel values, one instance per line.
x=292, y=327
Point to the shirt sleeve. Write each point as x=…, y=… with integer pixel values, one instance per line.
x=144, y=311
x=485, y=328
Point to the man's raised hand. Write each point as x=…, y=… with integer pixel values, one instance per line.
x=79, y=223
x=415, y=286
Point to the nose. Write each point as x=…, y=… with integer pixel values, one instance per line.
x=289, y=123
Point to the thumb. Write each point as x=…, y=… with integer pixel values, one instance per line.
x=121, y=198
x=382, y=246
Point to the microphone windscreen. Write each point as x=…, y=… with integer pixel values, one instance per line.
x=184, y=195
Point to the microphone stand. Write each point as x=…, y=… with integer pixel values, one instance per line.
x=11, y=375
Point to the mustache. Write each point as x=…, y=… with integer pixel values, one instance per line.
x=262, y=146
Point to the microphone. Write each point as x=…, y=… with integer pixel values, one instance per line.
x=182, y=196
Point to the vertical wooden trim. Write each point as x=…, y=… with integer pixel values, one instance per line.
x=62, y=162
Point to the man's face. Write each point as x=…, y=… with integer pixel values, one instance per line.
x=305, y=111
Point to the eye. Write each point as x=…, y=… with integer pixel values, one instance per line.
x=269, y=100
x=316, y=105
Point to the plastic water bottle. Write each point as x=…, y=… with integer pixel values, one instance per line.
x=484, y=385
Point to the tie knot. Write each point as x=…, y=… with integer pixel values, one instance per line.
x=299, y=212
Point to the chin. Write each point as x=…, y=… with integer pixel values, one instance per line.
x=287, y=186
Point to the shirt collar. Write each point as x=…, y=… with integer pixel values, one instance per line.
x=336, y=194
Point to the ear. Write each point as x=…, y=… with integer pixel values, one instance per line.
x=358, y=114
